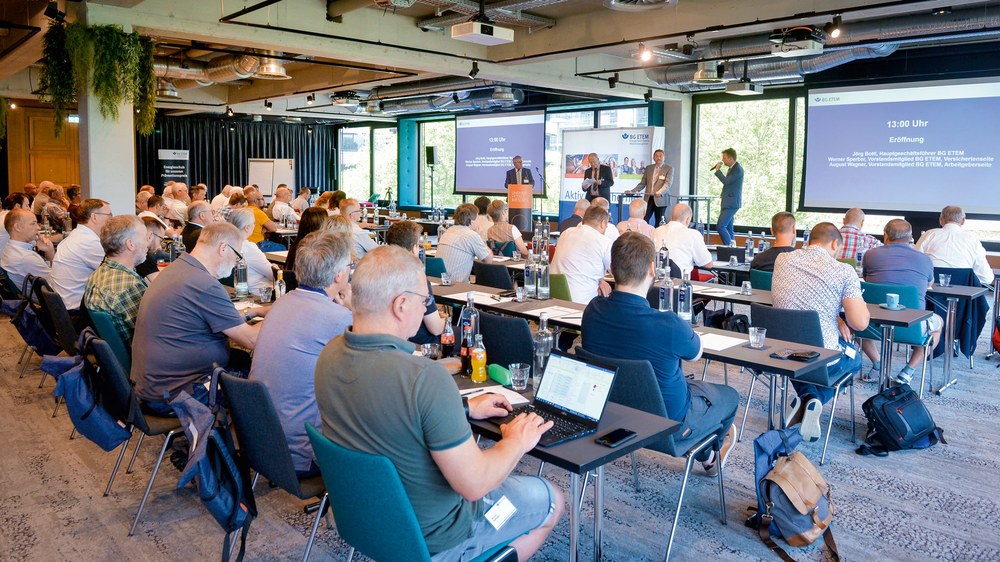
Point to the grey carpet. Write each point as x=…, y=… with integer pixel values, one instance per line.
x=938, y=504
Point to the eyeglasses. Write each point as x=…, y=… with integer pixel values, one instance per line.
x=238, y=255
x=426, y=300
x=158, y=236
x=99, y=213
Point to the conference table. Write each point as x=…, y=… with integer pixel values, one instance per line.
x=952, y=294
x=564, y=314
x=583, y=455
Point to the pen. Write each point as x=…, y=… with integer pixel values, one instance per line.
x=473, y=393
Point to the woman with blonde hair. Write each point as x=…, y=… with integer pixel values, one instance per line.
x=502, y=232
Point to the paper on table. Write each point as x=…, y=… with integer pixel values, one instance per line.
x=499, y=259
x=717, y=342
x=243, y=305
x=712, y=291
x=554, y=311
x=481, y=298
x=514, y=398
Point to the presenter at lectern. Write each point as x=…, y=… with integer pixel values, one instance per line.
x=519, y=175
x=597, y=179
x=732, y=194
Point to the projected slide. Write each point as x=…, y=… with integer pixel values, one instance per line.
x=907, y=147
x=486, y=144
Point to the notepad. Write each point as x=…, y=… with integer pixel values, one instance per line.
x=480, y=298
x=712, y=291
x=718, y=342
x=514, y=398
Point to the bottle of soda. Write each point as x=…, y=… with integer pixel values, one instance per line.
x=447, y=339
x=684, y=297
x=467, y=344
x=279, y=285
x=478, y=361
x=542, y=344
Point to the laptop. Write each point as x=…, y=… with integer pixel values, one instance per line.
x=572, y=395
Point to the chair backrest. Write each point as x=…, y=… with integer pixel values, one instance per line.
x=849, y=261
x=964, y=276
x=109, y=333
x=760, y=279
x=507, y=340
x=434, y=267
x=291, y=282
x=798, y=326
x=492, y=275
x=8, y=290
x=116, y=389
x=874, y=293
x=726, y=252
x=559, y=287
x=259, y=432
x=34, y=295
x=65, y=331
x=502, y=248
x=369, y=503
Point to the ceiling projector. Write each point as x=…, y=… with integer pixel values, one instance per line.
x=482, y=33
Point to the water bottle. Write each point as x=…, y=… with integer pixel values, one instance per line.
x=662, y=261
x=760, y=247
x=469, y=316
x=279, y=285
x=749, y=247
x=858, y=265
x=543, y=347
x=179, y=245
x=545, y=237
x=805, y=236
x=663, y=220
x=666, y=294
x=392, y=208
x=543, y=276
x=684, y=297
x=240, y=279
x=440, y=230
x=530, y=275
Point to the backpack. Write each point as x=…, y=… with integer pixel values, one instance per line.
x=24, y=317
x=737, y=323
x=996, y=337
x=793, y=500
x=898, y=420
x=223, y=476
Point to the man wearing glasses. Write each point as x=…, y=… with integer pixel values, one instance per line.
x=363, y=243
x=186, y=320
x=80, y=253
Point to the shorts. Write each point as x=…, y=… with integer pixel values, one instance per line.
x=932, y=324
x=534, y=499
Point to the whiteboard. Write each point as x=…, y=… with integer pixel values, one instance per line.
x=270, y=172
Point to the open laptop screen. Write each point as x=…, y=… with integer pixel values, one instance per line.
x=575, y=386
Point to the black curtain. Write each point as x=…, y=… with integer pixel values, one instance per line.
x=218, y=155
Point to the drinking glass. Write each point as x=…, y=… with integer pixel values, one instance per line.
x=944, y=279
x=757, y=337
x=733, y=261
x=445, y=278
x=519, y=293
x=746, y=288
x=432, y=350
x=519, y=375
x=265, y=294
x=516, y=256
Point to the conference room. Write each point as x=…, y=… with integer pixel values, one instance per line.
x=392, y=112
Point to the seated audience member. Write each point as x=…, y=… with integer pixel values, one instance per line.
x=11, y=202
x=199, y=192
x=482, y=222
x=636, y=222
x=19, y=258
x=363, y=242
x=325, y=201
x=502, y=233
x=301, y=203
x=576, y=218
x=185, y=322
x=142, y=201
x=583, y=255
x=340, y=223
x=79, y=254
x=281, y=210
x=260, y=274
x=175, y=196
x=31, y=190
x=149, y=189
x=459, y=246
x=660, y=337
x=56, y=210
x=612, y=232
x=375, y=396
x=783, y=229
x=263, y=225
x=898, y=262
x=686, y=245
x=73, y=196
x=287, y=348
x=854, y=240
x=199, y=215
x=115, y=288
x=337, y=197
x=812, y=279
x=313, y=219
x=406, y=235
x=156, y=229
x=222, y=199
x=236, y=201
x=950, y=246
x=41, y=198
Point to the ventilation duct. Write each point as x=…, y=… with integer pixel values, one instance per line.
x=638, y=5
x=227, y=68
x=165, y=90
x=426, y=87
x=271, y=68
x=499, y=97
x=708, y=73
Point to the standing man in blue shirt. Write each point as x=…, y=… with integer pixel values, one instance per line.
x=623, y=326
x=732, y=194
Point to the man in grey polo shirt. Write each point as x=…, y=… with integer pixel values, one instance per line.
x=460, y=245
x=375, y=396
x=185, y=322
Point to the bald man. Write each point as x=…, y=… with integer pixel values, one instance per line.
x=854, y=240
x=686, y=245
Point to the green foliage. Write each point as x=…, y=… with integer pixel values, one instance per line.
x=145, y=89
x=116, y=58
x=81, y=54
x=4, y=112
x=56, y=82
x=441, y=135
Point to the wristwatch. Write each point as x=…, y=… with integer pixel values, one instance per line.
x=465, y=405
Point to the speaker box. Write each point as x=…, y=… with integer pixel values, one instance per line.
x=431, y=155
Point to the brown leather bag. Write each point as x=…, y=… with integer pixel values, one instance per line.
x=798, y=501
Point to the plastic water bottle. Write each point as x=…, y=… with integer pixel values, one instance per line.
x=684, y=297
x=543, y=347
x=662, y=261
x=440, y=230
x=858, y=266
x=392, y=208
x=531, y=275
x=666, y=294
x=279, y=285
x=469, y=316
x=805, y=236
x=543, y=276
x=240, y=279
x=749, y=246
x=763, y=241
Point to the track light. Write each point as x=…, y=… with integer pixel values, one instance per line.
x=229, y=111
x=613, y=81
x=645, y=54
x=832, y=29
x=232, y=128
x=454, y=97
x=13, y=105
x=648, y=96
x=268, y=105
x=309, y=129
x=941, y=11
x=475, y=70
x=310, y=99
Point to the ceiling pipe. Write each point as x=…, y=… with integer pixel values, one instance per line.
x=426, y=87
x=227, y=68
x=508, y=12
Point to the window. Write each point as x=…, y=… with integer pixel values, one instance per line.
x=384, y=159
x=355, y=162
x=627, y=117
x=554, y=125
x=441, y=191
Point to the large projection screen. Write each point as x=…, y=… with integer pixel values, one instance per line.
x=905, y=147
x=486, y=144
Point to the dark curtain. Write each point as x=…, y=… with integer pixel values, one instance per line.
x=218, y=155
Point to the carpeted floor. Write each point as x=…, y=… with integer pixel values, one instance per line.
x=938, y=504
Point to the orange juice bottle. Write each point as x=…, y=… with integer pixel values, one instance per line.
x=479, y=361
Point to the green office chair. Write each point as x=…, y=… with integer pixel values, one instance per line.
x=849, y=261
x=434, y=267
x=370, y=506
x=109, y=333
x=760, y=279
x=874, y=293
x=559, y=287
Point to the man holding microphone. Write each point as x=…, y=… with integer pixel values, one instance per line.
x=732, y=194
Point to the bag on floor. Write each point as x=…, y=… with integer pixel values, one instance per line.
x=996, y=337
x=793, y=500
x=737, y=323
x=25, y=319
x=898, y=420
x=77, y=387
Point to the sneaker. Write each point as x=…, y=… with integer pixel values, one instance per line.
x=873, y=375
x=793, y=413
x=810, y=427
x=711, y=466
x=903, y=378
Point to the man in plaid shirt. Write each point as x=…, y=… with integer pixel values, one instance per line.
x=854, y=240
x=114, y=287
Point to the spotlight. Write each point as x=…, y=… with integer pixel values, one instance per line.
x=832, y=29
x=310, y=99
x=53, y=12
x=229, y=111
x=454, y=97
x=309, y=129
x=645, y=54
x=648, y=96
x=232, y=127
x=268, y=105
x=613, y=81
x=941, y=11
x=13, y=105
x=475, y=70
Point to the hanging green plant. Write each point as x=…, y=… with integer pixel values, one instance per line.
x=145, y=89
x=4, y=112
x=56, y=82
x=81, y=54
x=115, y=56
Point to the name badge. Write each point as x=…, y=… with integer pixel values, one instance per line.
x=500, y=513
x=525, y=181
x=663, y=178
x=850, y=352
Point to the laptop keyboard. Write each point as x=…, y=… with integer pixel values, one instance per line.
x=562, y=427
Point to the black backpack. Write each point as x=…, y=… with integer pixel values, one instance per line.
x=898, y=420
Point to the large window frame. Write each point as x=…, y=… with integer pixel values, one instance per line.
x=372, y=127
